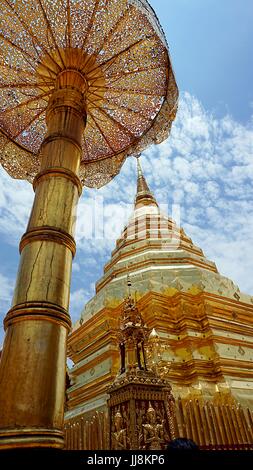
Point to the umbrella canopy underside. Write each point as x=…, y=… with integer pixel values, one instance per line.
x=120, y=48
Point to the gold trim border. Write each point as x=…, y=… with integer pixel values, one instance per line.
x=38, y=311
x=58, y=172
x=31, y=437
x=51, y=234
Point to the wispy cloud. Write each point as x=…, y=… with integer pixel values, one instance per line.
x=16, y=199
x=78, y=299
x=6, y=287
x=75, y=268
x=6, y=291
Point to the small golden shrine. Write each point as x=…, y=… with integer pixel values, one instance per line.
x=141, y=405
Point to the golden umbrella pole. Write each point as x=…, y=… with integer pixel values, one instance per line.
x=32, y=372
x=67, y=63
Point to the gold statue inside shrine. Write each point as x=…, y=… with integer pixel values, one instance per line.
x=119, y=436
x=153, y=431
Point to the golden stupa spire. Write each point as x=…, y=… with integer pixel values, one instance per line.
x=143, y=196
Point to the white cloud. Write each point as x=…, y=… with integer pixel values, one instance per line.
x=78, y=299
x=16, y=199
x=6, y=292
x=6, y=289
x=75, y=268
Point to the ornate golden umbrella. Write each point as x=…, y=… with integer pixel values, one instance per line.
x=83, y=85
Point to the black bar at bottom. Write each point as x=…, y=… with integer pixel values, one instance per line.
x=172, y=459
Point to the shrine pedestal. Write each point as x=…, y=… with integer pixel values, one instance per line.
x=141, y=412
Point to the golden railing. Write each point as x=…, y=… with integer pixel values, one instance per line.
x=87, y=434
x=211, y=426
x=216, y=426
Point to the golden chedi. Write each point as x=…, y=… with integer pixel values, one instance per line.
x=202, y=337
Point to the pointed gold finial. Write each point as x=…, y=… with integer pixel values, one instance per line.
x=144, y=196
x=139, y=170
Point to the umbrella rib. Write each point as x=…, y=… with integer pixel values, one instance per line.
x=129, y=72
x=18, y=48
x=25, y=85
x=90, y=24
x=24, y=103
x=51, y=32
x=128, y=109
x=95, y=94
x=28, y=125
x=25, y=72
x=100, y=130
x=69, y=29
x=114, y=28
x=133, y=92
x=132, y=72
x=98, y=66
x=119, y=90
x=91, y=124
x=120, y=53
x=115, y=104
x=16, y=69
x=118, y=124
x=86, y=148
x=27, y=29
x=22, y=51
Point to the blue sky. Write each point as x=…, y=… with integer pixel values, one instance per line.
x=211, y=46
x=204, y=169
